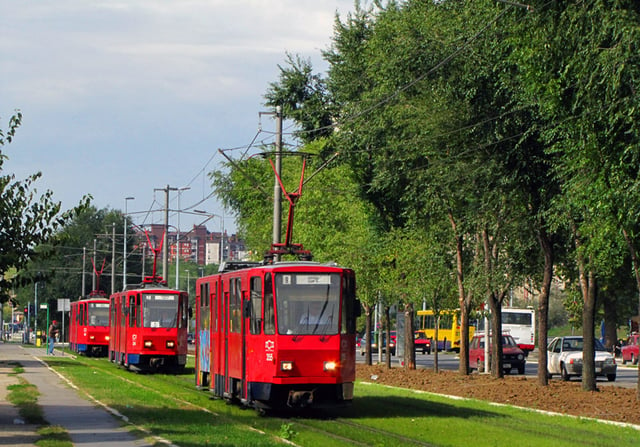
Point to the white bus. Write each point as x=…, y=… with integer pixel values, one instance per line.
x=520, y=324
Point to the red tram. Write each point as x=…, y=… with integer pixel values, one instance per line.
x=259, y=342
x=148, y=327
x=89, y=325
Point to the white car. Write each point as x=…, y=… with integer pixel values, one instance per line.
x=564, y=357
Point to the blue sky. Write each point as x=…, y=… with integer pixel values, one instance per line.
x=122, y=97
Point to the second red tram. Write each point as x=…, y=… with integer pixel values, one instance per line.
x=278, y=335
x=89, y=325
x=148, y=327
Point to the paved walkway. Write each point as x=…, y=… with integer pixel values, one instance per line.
x=88, y=425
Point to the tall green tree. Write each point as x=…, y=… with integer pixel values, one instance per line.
x=582, y=67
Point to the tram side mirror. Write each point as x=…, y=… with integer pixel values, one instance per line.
x=190, y=312
x=358, y=308
x=246, y=309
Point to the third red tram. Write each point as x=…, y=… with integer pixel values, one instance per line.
x=89, y=325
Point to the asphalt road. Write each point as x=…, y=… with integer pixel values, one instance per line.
x=626, y=376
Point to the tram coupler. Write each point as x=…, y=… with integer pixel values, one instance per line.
x=300, y=399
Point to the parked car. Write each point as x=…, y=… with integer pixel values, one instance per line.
x=191, y=339
x=512, y=356
x=629, y=351
x=362, y=344
x=564, y=357
x=422, y=342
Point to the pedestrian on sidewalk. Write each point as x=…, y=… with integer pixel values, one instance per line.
x=53, y=332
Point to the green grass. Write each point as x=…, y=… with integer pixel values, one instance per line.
x=170, y=407
x=25, y=396
x=53, y=436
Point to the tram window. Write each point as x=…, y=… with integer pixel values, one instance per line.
x=349, y=305
x=234, y=305
x=256, y=304
x=123, y=308
x=269, y=314
x=98, y=314
x=308, y=303
x=214, y=307
x=138, y=312
x=132, y=311
x=183, y=313
x=160, y=310
x=204, y=294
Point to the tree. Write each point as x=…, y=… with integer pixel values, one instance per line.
x=580, y=64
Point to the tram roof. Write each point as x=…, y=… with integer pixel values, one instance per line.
x=235, y=265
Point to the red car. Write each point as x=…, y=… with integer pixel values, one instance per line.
x=512, y=356
x=422, y=342
x=630, y=350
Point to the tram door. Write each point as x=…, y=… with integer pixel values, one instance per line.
x=203, y=346
x=233, y=340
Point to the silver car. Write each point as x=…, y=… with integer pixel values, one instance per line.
x=564, y=357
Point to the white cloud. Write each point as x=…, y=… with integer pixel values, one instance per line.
x=118, y=85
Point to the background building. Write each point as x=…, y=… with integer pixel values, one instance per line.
x=197, y=245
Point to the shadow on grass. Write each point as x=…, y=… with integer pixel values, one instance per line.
x=402, y=406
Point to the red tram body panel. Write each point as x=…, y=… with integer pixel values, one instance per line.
x=278, y=335
x=148, y=328
x=89, y=326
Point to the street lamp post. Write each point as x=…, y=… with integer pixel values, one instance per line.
x=221, y=251
x=178, y=239
x=124, y=251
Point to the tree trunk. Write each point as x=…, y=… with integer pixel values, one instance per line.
x=463, y=301
x=610, y=317
x=543, y=306
x=587, y=288
x=436, y=366
x=496, y=336
x=409, y=346
x=387, y=329
x=367, y=334
x=636, y=269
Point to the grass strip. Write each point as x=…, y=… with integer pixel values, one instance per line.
x=171, y=408
x=24, y=396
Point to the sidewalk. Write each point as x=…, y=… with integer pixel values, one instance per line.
x=86, y=423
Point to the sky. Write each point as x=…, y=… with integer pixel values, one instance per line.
x=122, y=98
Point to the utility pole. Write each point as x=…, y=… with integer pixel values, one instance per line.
x=113, y=258
x=124, y=250
x=84, y=260
x=277, y=192
x=93, y=276
x=178, y=239
x=166, y=190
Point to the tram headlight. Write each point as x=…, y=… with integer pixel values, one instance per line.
x=286, y=366
x=148, y=344
x=330, y=366
x=106, y=337
x=171, y=344
x=92, y=337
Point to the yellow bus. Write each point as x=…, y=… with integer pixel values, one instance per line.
x=448, y=329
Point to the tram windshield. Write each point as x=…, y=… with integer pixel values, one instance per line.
x=160, y=310
x=98, y=314
x=308, y=303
